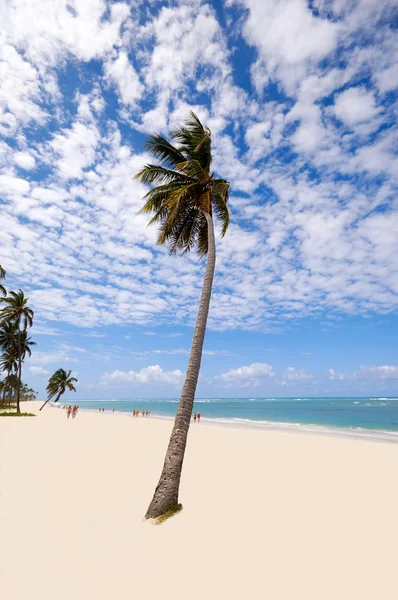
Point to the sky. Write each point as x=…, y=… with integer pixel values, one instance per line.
x=301, y=98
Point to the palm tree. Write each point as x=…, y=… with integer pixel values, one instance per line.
x=18, y=313
x=3, y=290
x=8, y=343
x=186, y=197
x=57, y=385
x=8, y=363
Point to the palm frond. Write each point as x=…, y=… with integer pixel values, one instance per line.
x=221, y=210
x=191, y=168
x=156, y=174
x=161, y=149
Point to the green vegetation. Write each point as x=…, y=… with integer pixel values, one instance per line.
x=15, y=318
x=185, y=201
x=15, y=345
x=173, y=510
x=7, y=413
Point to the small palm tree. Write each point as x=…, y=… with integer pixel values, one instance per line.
x=185, y=199
x=19, y=314
x=3, y=274
x=57, y=385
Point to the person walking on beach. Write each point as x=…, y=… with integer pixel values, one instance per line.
x=194, y=418
x=198, y=417
x=68, y=411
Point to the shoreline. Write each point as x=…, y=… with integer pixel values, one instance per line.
x=360, y=433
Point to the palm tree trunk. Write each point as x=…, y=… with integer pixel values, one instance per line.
x=166, y=492
x=43, y=405
x=19, y=369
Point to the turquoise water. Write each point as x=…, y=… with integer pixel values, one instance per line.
x=347, y=413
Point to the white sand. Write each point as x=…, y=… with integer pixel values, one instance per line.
x=266, y=514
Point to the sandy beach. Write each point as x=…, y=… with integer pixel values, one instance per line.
x=267, y=514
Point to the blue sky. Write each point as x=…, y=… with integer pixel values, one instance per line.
x=301, y=98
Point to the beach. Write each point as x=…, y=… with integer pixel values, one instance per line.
x=267, y=514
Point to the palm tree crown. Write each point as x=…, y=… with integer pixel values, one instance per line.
x=58, y=383
x=186, y=189
x=16, y=310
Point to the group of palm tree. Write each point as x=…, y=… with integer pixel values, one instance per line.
x=185, y=200
x=15, y=345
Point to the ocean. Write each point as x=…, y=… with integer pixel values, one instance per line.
x=345, y=415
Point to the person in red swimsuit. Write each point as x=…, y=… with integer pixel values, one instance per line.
x=198, y=417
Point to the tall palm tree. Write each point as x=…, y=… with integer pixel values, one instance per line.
x=8, y=344
x=18, y=313
x=3, y=274
x=57, y=385
x=8, y=363
x=184, y=201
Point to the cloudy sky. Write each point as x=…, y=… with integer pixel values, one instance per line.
x=301, y=98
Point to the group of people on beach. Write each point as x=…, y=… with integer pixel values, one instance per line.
x=145, y=413
x=71, y=411
x=196, y=417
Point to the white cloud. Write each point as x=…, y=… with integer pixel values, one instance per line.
x=48, y=29
x=151, y=374
x=355, y=105
x=247, y=375
x=19, y=92
x=387, y=80
x=25, y=160
x=292, y=375
x=57, y=356
x=38, y=371
x=376, y=373
x=123, y=74
x=288, y=35
x=335, y=375
x=75, y=148
x=383, y=372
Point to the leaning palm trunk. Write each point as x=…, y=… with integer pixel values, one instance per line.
x=166, y=492
x=48, y=400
